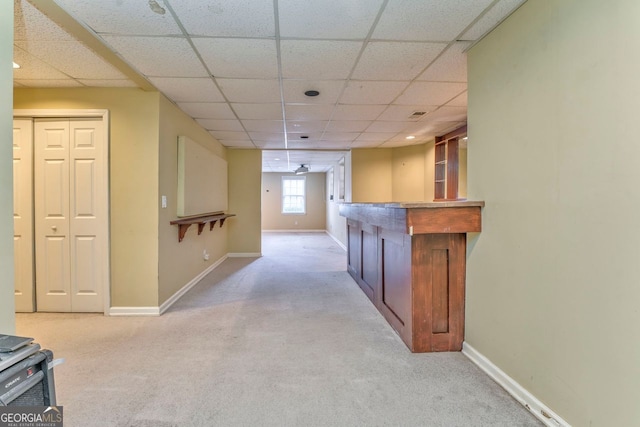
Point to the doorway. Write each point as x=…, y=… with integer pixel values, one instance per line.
x=61, y=212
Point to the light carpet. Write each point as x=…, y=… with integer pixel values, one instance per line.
x=283, y=340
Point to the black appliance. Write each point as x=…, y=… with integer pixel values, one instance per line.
x=26, y=378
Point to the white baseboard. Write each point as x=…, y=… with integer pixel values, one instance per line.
x=134, y=311
x=336, y=240
x=175, y=297
x=157, y=311
x=244, y=254
x=526, y=399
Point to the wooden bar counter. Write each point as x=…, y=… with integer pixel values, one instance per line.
x=409, y=259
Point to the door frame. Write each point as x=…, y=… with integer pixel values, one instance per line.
x=86, y=113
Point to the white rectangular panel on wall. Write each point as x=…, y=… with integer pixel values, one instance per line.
x=202, y=179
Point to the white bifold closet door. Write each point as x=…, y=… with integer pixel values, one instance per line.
x=70, y=215
x=23, y=214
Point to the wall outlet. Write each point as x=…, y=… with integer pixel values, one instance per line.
x=205, y=255
x=164, y=202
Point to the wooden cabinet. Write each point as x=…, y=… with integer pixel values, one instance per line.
x=447, y=165
x=410, y=262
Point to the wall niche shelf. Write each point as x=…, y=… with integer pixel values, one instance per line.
x=202, y=220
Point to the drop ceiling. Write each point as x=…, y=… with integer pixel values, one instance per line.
x=240, y=67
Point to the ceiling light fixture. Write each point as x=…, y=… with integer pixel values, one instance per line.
x=410, y=137
x=15, y=66
x=301, y=170
x=312, y=93
x=155, y=7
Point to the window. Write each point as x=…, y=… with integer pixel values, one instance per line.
x=293, y=195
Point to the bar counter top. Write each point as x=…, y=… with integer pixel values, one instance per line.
x=411, y=205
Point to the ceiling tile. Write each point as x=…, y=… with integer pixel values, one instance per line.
x=269, y=145
x=298, y=136
x=31, y=24
x=492, y=18
x=63, y=55
x=121, y=17
x=318, y=59
x=267, y=136
x=365, y=144
x=448, y=114
x=459, y=101
x=306, y=126
x=357, y=112
x=264, y=125
x=188, y=89
x=33, y=68
x=222, y=125
x=159, y=56
x=107, y=83
x=427, y=19
x=239, y=58
x=329, y=91
x=395, y=60
x=49, y=83
x=417, y=129
x=327, y=19
x=430, y=93
x=379, y=126
x=451, y=66
x=402, y=113
x=229, y=135
x=207, y=110
x=369, y=92
x=237, y=18
x=250, y=90
x=347, y=125
x=258, y=111
x=340, y=136
x=376, y=136
x=308, y=112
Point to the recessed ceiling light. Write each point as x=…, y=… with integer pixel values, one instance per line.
x=15, y=65
x=411, y=137
x=276, y=158
x=312, y=93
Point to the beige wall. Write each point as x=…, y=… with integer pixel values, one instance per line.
x=400, y=174
x=245, y=174
x=371, y=175
x=180, y=262
x=272, y=216
x=553, y=278
x=133, y=181
x=408, y=173
x=7, y=317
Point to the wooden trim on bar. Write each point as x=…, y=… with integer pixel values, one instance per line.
x=444, y=220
